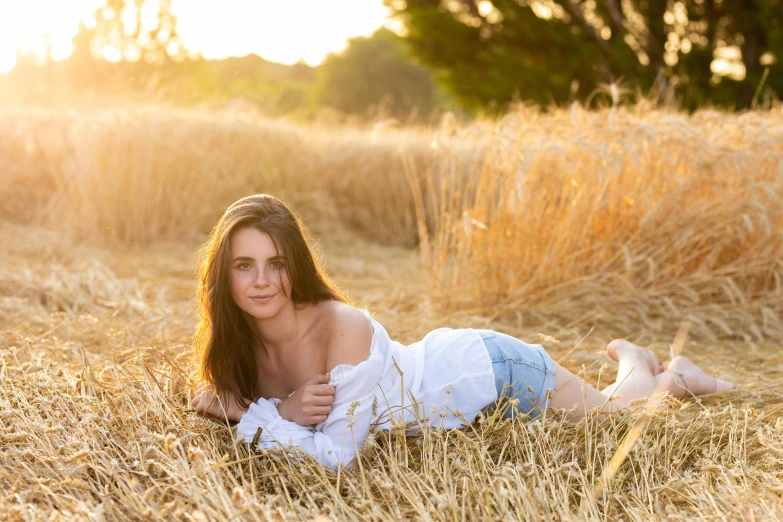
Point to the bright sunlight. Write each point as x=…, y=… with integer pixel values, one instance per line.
x=276, y=30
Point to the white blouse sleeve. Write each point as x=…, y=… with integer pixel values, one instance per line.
x=335, y=441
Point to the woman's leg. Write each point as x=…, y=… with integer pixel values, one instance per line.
x=640, y=375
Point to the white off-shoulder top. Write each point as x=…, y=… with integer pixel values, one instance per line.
x=443, y=380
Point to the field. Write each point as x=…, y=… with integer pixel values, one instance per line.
x=567, y=228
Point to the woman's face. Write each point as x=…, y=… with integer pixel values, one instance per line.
x=259, y=280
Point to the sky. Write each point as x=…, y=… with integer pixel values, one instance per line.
x=283, y=31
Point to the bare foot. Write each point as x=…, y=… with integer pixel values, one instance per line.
x=622, y=348
x=694, y=379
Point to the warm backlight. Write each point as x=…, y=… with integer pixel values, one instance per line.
x=282, y=31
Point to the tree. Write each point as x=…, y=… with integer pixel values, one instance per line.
x=373, y=72
x=135, y=30
x=716, y=28
x=487, y=52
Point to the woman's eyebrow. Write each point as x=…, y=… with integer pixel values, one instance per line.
x=246, y=258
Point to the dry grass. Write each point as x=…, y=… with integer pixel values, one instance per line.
x=95, y=322
x=148, y=173
x=621, y=216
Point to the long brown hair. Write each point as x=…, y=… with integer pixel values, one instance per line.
x=223, y=339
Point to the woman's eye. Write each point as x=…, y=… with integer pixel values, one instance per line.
x=277, y=264
x=243, y=266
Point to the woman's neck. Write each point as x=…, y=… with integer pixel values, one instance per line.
x=280, y=331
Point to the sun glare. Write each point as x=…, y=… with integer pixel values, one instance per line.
x=40, y=28
x=283, y=31
x=7, y=55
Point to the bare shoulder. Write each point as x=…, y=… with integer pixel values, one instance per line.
x=347, y=333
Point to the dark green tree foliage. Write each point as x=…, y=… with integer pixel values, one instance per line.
x=375, y=72
x=488, y=53
x=484, y=62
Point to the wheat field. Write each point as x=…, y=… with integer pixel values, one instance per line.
x=566, y=228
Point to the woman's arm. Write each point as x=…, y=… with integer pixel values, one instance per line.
x=310, y=404
x=355, y=374
x=206, y=402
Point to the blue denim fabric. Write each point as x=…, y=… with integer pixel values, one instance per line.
x=522, y=371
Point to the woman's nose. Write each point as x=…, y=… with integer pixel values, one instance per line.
x=262, y=278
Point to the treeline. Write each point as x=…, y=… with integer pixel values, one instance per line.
x=373, y=78
x=475, y=56
x=687, y=53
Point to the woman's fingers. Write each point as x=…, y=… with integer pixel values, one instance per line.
x=201, y=394
x=196, y=400
x=201, y=402
x=323, y=400
x=205, y=400
x=320, y=378
x=200, y=405
x=319, y=410
x=202, y=389
x=209, y=406
x=322, y=389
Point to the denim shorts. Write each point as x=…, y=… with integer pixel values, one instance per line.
x=522, y=371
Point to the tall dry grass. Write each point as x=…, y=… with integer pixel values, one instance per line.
x=626, y=216
x=139, y=174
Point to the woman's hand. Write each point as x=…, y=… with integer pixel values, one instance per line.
x=205, y=402
x=310, y=404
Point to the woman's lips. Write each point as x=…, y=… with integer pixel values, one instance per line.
x=262, y=298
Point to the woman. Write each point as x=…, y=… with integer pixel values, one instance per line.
x=282, y=352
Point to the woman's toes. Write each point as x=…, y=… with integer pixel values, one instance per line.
x=695, y=379
x=657, y=366
x=722, y=386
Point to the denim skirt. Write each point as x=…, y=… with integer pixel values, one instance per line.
x=524, y=372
